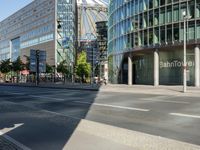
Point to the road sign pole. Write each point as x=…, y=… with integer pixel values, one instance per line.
x=37, y=67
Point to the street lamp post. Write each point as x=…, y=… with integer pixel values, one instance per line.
x=186, y=17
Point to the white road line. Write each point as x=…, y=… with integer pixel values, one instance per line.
x=185, y=115
x=14, y=93
x=164, y=101
x=59, y=99
x=14, y=141
x=113, y=106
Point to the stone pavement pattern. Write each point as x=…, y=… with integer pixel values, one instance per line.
x=7, y=145
x=125, y=139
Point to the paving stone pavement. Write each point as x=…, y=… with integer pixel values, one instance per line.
x=7, y=145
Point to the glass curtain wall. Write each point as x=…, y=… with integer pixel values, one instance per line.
x=160, y=20
x=171, y=63
x=151, y=24
x=66, y=32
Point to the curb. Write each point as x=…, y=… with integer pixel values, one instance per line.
x=53, y=87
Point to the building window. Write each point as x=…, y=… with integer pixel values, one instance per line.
x=141, y=38
x=176, y=32
x=129, y=41
x=169, y=33
x=145, y=38
x=156, y=3
x=162, y=34
x=169, y=1
x=146, y=4
x=141, y=21
x=151, y=18
x=162, y=16
x=191, y=8
x=183, y=9
x=136, y=39
x=181, y=32
x=145, y=21
x=162, y=2
x=175, y=1
x=191, y=28
x=169, y=14
x=141, y=6
x=197, y=10
x=136, y=7
x=15, y=48
x=198, y=29
x=132, y=40
x=176, y=13
x=156, y=17
x=135, y=23
x=151, y=36
x=150, y=4
x=156, y=35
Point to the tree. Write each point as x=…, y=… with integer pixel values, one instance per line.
x=49, y=69
x=27, y=64
x=5, y=67
x=18, y=66
x=62, y=68
x=83, y=69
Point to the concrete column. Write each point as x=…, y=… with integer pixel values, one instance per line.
x=197, y=66
x=156, y=68
x=130, y=70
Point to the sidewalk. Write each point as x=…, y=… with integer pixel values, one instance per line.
x=97, y=136
x=149, y=89
x=5, y=144
x=140, y=89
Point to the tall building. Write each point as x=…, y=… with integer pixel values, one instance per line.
x=102, y=38
x=145, y=41
x=49, y=25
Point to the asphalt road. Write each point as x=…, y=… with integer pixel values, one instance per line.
x=42, y=117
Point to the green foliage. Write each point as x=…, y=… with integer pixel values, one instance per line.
x=82, y=58
x=18, y=65
x=5, y=66
x=83, y=68
x=62, y=68
x=49, y=69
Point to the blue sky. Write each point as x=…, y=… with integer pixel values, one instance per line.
x=8, y=7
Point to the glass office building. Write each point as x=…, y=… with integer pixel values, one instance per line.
x=48, y=25
x=145, y=41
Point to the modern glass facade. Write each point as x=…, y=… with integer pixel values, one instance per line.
x=35, y=27
x=67, y=34
x=139, y=27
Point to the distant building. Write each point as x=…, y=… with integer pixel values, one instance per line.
x=49, y=25
x=90, y=12
x=91, y=49
x=102, y=40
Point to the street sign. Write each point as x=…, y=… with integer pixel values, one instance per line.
x=33, y=60
x=42, y=61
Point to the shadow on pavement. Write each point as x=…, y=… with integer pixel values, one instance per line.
x=40, y=123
